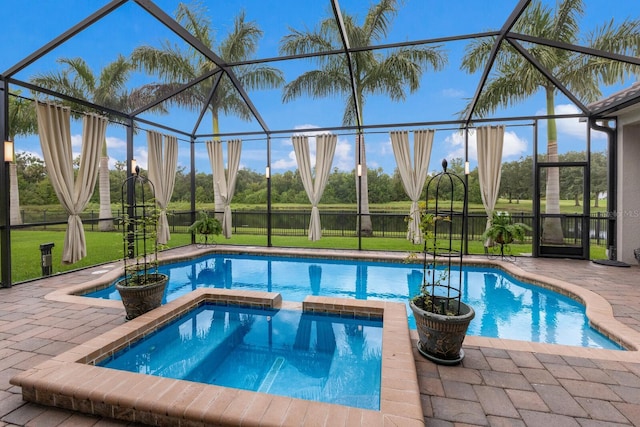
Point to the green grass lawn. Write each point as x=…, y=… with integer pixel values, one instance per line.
x=107, y=247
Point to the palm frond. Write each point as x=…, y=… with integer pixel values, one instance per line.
x=623, y=39
x=378, y=20
x=300, y=43
x=242, y=42
x=168, y=62
x=350, y=114
x=263, y=77
x=503, y=91
x=194, y=17
x=566, y=25
x=317, y=84
x=477, y=54
x=83, y=76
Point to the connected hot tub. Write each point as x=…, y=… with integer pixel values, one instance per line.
x=284, y=378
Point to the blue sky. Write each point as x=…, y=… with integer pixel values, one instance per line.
x=442, y=94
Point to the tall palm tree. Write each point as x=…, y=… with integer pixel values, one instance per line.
x=513, y=78
x=108, y=89
x=22, y=121
x=374, y=73
x=175, y=67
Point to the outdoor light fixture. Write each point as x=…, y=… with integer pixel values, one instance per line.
x=134, y=167
x=8, y=151
x=466, y=167
x=267, y=172
x=359, y=169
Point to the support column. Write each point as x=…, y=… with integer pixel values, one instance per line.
x=5, y=198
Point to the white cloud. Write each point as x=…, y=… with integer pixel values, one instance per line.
x=308, y=129
x=112, y=163
x=572, y=127
x=453, y=93
x=114, y=142
x=76, y=140
x=514, y=146
x=385, y=148
x=142, y=158
x=343, y=158
x=455, y=145
x=288, y=163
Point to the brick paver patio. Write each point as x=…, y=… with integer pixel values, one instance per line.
x=498, y=384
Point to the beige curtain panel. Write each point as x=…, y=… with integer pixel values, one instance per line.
x=325, y=149
x=224, y=187
x=162, y=173
x=54, y=128
x=490, y=140
x=413, y=178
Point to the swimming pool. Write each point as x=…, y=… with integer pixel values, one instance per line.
x=325, y=358
x=79, y=383
x=505, y=307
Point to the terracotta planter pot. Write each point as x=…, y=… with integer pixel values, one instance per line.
x=138, y=300
x=441, y=336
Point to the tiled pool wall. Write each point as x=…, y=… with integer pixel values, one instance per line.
x=599, y=311
x=72, y=381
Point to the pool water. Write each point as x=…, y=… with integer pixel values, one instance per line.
x=284, y=352
x=505, y=307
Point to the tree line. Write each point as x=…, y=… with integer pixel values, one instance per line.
x=251, y=186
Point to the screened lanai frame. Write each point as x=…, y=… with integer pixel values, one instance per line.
x=592, y=113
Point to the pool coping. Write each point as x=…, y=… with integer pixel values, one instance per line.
x=72, y=381
x=598, y=309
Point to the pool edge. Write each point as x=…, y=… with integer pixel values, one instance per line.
x=72, y=381
x=598, y=310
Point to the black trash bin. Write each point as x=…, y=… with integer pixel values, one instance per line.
x=46, y=261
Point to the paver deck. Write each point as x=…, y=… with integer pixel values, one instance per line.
x=499, y=382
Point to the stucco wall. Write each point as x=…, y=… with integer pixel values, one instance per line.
x=628, y=175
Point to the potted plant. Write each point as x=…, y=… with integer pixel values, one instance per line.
x=442, y=319
x=142, y=287
x=206, y=226
x=503, y=230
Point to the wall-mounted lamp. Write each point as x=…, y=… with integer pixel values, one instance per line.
x=466, y=168
x=134, y=167
x=267, y=172
x=359, y=169
x=8, y=151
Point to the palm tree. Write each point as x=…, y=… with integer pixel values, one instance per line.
x=176, y=67
x=108, y=90
x=104, y=183
x=374, y=73
x=22, y=121
x=579, y=73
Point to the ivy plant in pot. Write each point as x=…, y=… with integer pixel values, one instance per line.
x=442, y=319
x=142, y=287
x=206, y=226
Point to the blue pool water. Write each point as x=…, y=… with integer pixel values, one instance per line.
x=505, y=307
x=284, y=352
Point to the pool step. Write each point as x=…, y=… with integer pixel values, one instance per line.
x=271, y=375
